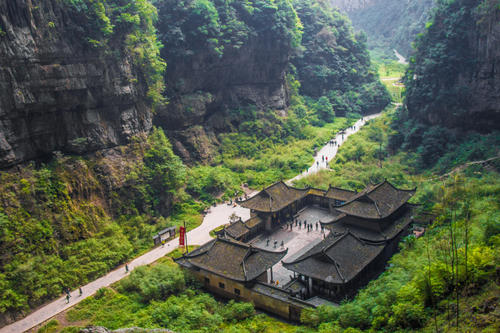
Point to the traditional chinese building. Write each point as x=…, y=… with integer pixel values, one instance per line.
x=363, y=230
x=233, y=269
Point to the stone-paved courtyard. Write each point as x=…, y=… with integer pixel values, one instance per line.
x=298, y=240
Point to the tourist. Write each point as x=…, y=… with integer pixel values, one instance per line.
x=323, y=158
x=282, y=244
x=67, y=298
x=126, y=268
x=317, y=164
x=267, y=244
x=80, y=291
x=316, y=225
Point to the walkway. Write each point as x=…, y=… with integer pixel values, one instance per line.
x=329, y=151
x=218, y=216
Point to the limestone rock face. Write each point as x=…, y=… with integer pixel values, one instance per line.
x=484, y=78
x=203, y=86
x=57, y=92
x=458, y=85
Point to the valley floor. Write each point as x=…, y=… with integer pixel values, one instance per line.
x=218, y=215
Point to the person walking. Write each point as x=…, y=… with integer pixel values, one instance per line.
x=80, y=291
x=67, y=298
x=126, y=268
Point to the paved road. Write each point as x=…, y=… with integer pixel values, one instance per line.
x=401, y=59
x=329, y=151
x=217, y=216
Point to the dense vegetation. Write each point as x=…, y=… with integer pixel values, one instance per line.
x=68, y=222
x=266, y=148
x=437, y=117
x=456, y=259
x=193, y=26
x=164, y=296
x=333, y=63
x=440, y=74
x=391, y=24
x=123, y=28
x=448, y=275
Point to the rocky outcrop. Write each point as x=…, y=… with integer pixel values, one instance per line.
x=483, y=79
x=57, y=92
x=199, y=107
x=455, y=79
x=203, y=86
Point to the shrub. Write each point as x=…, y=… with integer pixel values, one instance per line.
x=154, y=283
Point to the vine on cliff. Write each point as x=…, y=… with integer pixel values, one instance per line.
x=128, y=24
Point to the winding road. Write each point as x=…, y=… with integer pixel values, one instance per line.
x=217, y=216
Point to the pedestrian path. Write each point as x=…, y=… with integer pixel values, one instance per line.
x=328, y=152
x=217, y=216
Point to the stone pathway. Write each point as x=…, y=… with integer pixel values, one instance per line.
x=217, y=216
x=329, y=151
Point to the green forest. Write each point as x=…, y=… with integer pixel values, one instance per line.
x=67, y=219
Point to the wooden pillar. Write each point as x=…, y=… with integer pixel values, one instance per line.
x=268, y=222
x=310, y=285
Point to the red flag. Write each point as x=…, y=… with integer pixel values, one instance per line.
x=182, y=235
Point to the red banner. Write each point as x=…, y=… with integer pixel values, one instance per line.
x=182, y=235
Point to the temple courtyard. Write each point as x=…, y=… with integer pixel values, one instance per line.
x=296, y=239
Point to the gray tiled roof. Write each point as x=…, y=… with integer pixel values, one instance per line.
x=340, y=194
x=274, y=198
x=237, y=229
x=376, y=202
x=339, y=226
x=337, y=259
x=232, y=259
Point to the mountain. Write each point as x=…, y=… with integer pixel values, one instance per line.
x=453, y=82
x=453, y=79
x=222, y=56
x=334, y=62
x=93, y=123
x=68, y=81
x=389, y=24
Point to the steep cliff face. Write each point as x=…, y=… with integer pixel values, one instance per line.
x=221, y=57
x=57, y=92
x=454, y=80
x=389, y=24
x=334, y=62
